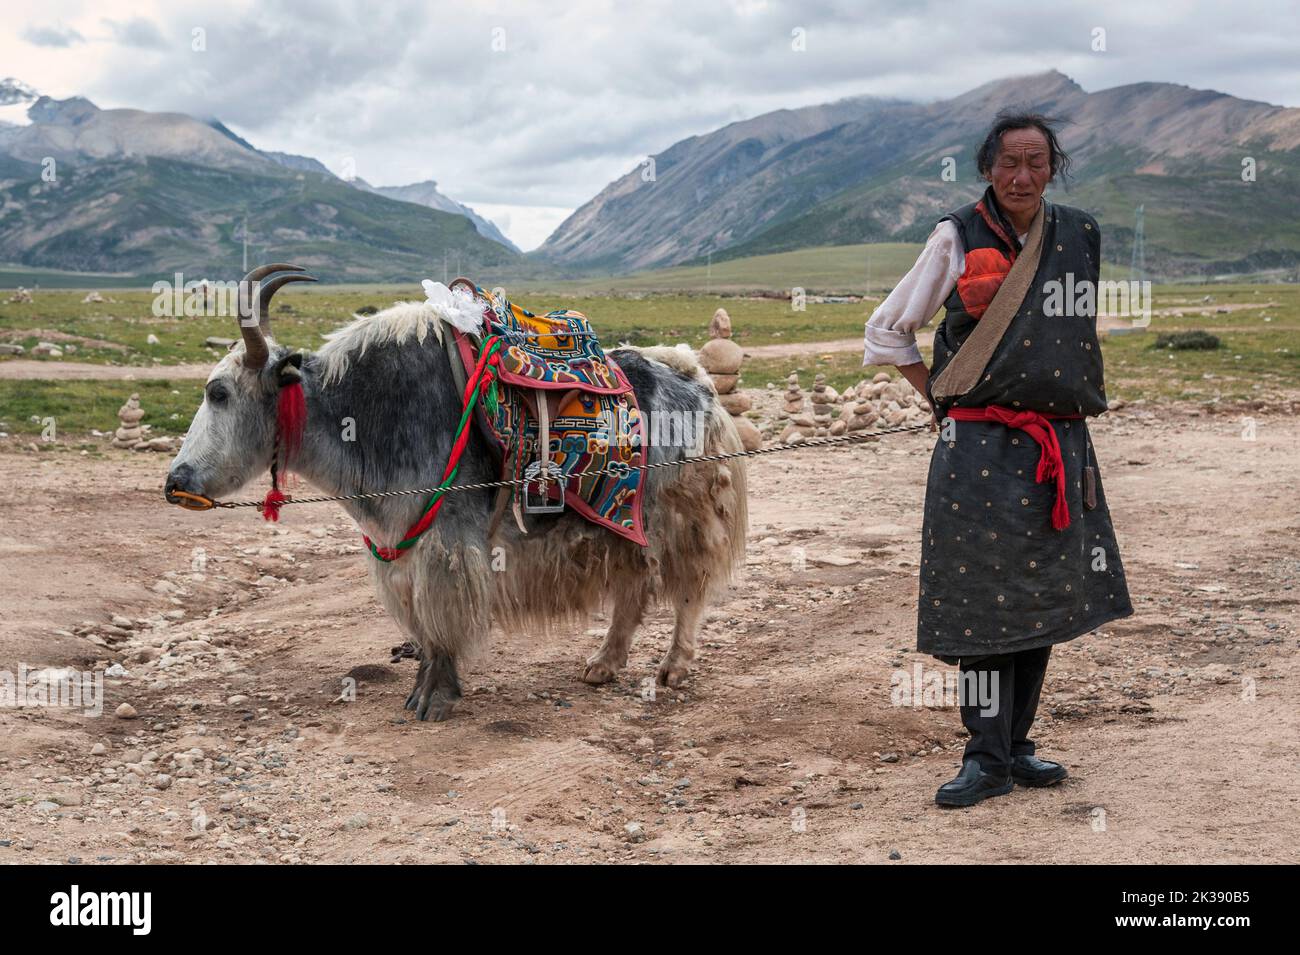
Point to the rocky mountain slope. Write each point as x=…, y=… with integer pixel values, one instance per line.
x=130, y=191
x=871, y=170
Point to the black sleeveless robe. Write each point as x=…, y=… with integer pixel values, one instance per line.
x=995, y=576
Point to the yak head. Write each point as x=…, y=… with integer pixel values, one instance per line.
x=232, y=438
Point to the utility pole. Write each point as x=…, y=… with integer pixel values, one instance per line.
x=708, y=275
x=1138, y=264
x=244, y=230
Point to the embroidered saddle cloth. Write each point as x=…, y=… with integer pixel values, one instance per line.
x=556, y=383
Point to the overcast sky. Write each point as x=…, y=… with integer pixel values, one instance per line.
x=526, y=110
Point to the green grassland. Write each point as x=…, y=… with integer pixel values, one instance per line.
x=849, y=269
x=117, y=332
x=1260, y=354
x=81, y=406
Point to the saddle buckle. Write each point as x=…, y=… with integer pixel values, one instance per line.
x=537, y=484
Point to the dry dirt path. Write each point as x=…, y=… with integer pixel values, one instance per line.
x=30, y=369
x=1179, y=724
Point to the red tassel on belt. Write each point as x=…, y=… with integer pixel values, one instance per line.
x=1038, y=427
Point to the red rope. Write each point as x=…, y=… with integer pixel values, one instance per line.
x=478, y=383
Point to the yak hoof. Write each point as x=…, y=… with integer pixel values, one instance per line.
x=436, y=708
x=421, y=675
x=437, y=688
x=599, y=671
x=671, y=674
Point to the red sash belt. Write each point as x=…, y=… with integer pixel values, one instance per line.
x=1036, y=425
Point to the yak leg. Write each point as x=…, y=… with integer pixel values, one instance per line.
x=437, y=687
x=677, y=661
x=440, y=597
x=604, y=664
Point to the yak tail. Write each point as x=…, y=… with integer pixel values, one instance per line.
x=731, y=496
x=719, y=537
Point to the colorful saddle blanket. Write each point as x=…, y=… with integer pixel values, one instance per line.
x=594, y=420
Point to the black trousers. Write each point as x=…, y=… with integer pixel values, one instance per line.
x=1000, y=714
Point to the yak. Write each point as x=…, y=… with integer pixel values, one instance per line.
x=382, y=408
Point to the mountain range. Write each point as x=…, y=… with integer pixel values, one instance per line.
x=870, y=170
x=1217, y=179
x=136, y=192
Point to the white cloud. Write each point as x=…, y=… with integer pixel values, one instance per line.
x=54, y=35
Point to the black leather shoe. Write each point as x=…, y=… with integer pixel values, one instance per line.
x=1032, y=771
x=972, y=785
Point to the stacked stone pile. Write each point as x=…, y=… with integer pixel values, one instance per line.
x=722, y=358
x=882, y=402
x=133, y=435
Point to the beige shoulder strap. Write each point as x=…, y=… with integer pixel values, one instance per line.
x=963, y=372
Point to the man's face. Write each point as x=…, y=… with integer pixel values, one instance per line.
x=1021, y=171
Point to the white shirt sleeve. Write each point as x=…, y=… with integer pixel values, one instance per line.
x=890, y=337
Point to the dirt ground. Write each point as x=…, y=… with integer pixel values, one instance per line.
x=1178, y=724
x=31, y=369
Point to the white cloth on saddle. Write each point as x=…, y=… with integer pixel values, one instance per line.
x=457, y=307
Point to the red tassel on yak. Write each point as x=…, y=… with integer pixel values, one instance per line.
x=291, y=420
x=271, y=506
x=290, y=423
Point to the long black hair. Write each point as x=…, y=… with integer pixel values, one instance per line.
x=1018, y=119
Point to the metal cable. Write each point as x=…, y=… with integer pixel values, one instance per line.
x=614, y=469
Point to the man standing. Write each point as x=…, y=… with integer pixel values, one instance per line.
x=1017, y=551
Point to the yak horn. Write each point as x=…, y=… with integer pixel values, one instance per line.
x=269, y=289
x=251, y=325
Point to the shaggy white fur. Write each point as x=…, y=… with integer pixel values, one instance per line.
x=400, y=323
x=680, y=357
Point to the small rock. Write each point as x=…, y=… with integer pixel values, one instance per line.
x=125, y=711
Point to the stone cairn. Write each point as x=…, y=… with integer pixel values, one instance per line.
x=882, y=402
x=133, y=435
x=794, y=402
x=129, y=431
x=722, y=358
x=20, y=295
x=823, y=401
